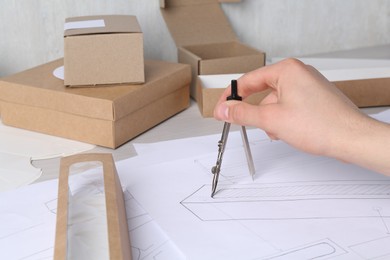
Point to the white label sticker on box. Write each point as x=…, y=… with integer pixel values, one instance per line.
x=84, y=24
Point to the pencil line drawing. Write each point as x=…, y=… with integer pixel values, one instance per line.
x=51, y=206
x=276, y=200
x=323, y=249
x=41, y=255
x=373, y=249
x=379, y=210
x=139, y=224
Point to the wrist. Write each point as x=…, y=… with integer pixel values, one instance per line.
x=364, y=142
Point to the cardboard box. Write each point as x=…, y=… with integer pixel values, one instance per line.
x=104, y=49
x=366, y=87
x=113, y=229
x=211, y=87
x=106, y=116
x=205, y=39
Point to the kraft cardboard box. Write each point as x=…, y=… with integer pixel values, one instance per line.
x=205, y=39
x=105, y=49
x=211, y=87
x=108, y=116
x=84, y=232
x=366, y=87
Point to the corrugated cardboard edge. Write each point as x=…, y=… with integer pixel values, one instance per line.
x=118, y=235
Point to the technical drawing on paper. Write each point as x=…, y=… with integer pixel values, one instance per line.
x=36, y=227
x=276, y=200
x=323, y=249
x=299, y=206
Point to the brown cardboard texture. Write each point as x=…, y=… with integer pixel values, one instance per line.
x=366, y=92
x=205, y=39
x=208, y=98
x=103, y=50
x=372, y=92
x=117, y=229
x=106, y=116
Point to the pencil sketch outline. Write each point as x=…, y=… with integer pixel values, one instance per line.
x=343, y=191
x=335, y=250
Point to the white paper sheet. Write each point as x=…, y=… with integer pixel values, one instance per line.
x=16, y=171
x=300, y=206
x=28, y=215
x=278, y=212
x=19, y=147
x=36, y=145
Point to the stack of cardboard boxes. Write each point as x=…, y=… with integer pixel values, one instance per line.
x=110, y=94
x=121, y=95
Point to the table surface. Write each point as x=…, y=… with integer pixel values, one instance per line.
x=190, y=123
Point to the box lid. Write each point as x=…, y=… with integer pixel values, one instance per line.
x=101, y=24
x=193, y=22
x=38, y=87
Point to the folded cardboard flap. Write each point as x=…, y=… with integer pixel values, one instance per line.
x=195, y=22
x=118, y=235
x=206, y=41
x=222, y=58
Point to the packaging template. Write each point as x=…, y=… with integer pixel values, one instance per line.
x=103, y=234
x=206, y=41
x=108, y=116
x=104, y=49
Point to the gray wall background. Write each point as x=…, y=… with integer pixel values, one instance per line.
x=31, y=30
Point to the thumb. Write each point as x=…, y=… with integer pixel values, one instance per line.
x=242, y=113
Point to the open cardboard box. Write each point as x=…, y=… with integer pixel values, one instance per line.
x=82, y=231
x=366, y=87
x=205, y=39
x=105, y=49
x=108, y=116
x=211, y=87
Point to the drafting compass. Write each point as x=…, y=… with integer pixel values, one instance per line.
x=222, y=144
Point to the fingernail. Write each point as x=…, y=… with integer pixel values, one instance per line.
x=223, y=112
x=226, y=112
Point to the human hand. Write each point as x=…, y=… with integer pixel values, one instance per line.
x=304, y=109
